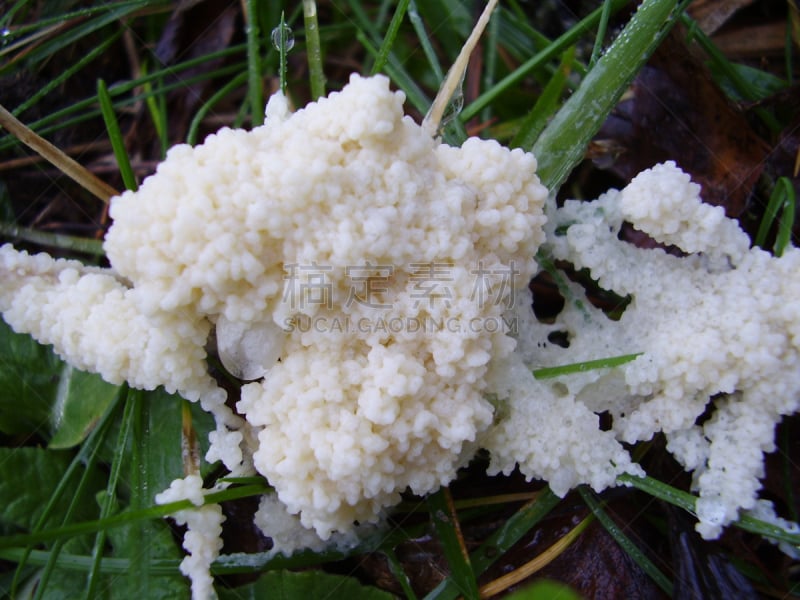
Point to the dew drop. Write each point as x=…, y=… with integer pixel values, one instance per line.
x=248, y=350
x=282, y=34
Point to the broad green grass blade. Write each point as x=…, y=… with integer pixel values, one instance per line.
x=562, y=144
x=115, y=136
x=139, y=580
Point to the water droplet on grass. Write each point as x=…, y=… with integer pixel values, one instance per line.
x=282, y=35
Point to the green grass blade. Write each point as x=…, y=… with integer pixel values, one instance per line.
x=731, y=72
x=79, y=497
x=639, y=557
x=155, y=99
x=149, y=93
x=208, y=105
x=280, y=37
x=62, y=118
x=313, y=49
x=562, y=144
x=687, y=502
x=81, y=13
x=582, y=367
x=781, y=199
x=126, y=426
x=254, y=64
x=536, y=120
x=96, y=52
x=490, y=59
x=80, y=562
x=126, y=518
x=389, y=38
x=601, y=33
x=115, y=136
x=418, y=99
x=84, y=456
x=448, y=530
x=555, y=48
x=397, y=570
x=57, y=44
x=501, y=540
x=139, y=581
x=424, y=41
x=55, y=240
x=788, y=204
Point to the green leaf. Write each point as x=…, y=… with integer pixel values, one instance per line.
x=28, y=383
x=28, y=477
x=81, y=400
x=286, y=585
x=545, y=589
x=161, y=545
x=163, y=449
x=39, y=393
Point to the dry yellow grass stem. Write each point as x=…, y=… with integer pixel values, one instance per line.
x=529, y=568
x=56, y=157
x=456, y=73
